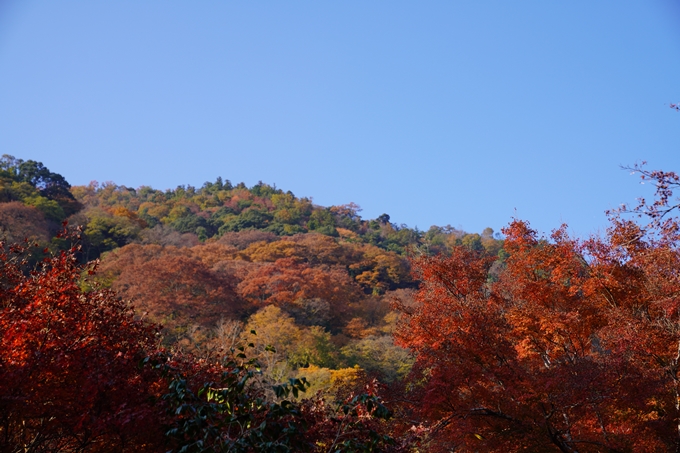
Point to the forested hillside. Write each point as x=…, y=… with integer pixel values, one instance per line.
x=310, y=289
x=211, y=264
x=249, y=320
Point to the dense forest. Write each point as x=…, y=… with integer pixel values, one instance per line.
x=212, y=263
x=229, y=318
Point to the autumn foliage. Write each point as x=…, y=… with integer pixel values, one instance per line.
x=170, y=285
x=79, y=373
x=573, y=347
x=526, y=343
x=69, y=379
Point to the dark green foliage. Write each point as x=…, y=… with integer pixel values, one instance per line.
x=217, y=186
x=321, y=218
x=328, y=230
x=190, y=224
x=105, y=232
x=151, y=221
x=252, y=218
x=278, y=229
x=264, y=190
x=33, y=184
x=32, y=172
x=232, y=415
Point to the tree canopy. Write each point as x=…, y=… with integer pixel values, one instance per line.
x=215, y=308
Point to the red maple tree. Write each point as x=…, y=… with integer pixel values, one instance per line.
x=573, y=348
x=69, y=375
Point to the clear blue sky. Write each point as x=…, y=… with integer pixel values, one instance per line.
x=435, y=112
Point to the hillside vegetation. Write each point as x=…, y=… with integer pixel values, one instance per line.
x=260, y=322
x=210, y=264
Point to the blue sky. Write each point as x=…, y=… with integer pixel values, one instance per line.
x=440, y=112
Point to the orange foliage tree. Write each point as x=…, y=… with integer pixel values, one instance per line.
x=574, y=348
x=288, y=281
x=171, y=285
